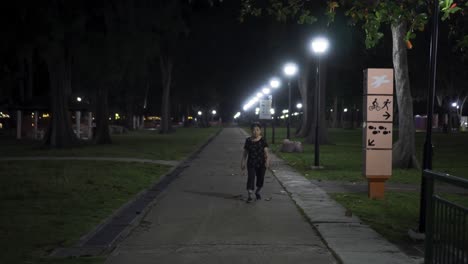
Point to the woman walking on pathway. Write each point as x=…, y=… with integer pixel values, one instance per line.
x=256, y=154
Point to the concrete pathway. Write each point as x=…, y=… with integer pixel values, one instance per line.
x=202, y=218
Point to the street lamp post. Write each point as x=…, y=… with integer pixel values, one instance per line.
x=427, y=156
x=319, y=46
x=290, y=69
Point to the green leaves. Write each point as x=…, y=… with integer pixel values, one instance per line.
x=281, y=10
x=448, y=7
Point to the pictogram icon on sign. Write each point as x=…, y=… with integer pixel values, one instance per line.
x=386, y=115
x=370, y=142
x=379, y=81
x=379, y=129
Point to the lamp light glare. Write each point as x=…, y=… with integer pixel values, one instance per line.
x=78, y=99
x=299, y=105
x=345, y=110
x=266, y=90
x=290, y=69
x=275, y=82
x=200, y=113
x=320, y=45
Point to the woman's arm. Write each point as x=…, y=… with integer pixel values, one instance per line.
x=267, y=158
x=244, y=158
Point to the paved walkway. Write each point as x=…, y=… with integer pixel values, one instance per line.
x=202, y=218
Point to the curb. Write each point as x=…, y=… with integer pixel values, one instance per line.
x=122, y=222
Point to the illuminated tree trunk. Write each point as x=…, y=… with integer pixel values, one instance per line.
x=404, y=153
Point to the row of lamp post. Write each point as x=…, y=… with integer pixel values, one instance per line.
x=319, y=47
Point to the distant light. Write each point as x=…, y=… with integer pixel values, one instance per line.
x=237, y=115
x=285, y=111
x=200, y=113
x=266, y=90
x=272, y=111
x=275, y=82
x=299, y=105
x=117, y=116
x=257, y=109
x=78, y=99
x=213, y=112
x=345, y=110
x=454, y=104
x=1, y=125
x=259, y=95
x=290, y=69
x=319, y=45
x=331, y=110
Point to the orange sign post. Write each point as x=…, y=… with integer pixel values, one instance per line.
x=378, y=129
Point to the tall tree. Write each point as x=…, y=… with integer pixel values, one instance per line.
x=403, y=17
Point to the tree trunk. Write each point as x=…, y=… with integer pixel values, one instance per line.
x=306, y=96
x=334, y=114
x=60, y=133
x=166, y=70
x=404, y=153
x=102, y=117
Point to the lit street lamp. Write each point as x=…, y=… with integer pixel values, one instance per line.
x=319, y=46
x=213, y=112
x=78, y=99
x=289, y=69
x=200, y=113
x=275, y=83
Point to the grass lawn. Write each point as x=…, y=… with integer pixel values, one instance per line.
x=393, y=216
x=50, y=204
x=135, y=144
x=398, y=212
x=343, y=158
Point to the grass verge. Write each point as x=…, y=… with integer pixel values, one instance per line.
x=342, y=158
x=135, y=144
x=50, y=204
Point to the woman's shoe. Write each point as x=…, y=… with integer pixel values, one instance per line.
x=249, y=200
x=257, y=196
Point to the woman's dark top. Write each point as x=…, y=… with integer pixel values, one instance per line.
x=256, y=151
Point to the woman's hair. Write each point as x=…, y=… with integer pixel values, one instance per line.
x=253, y=125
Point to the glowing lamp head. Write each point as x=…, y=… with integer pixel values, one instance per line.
x=320, y=45
x=290, y=69
x=275, y=83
